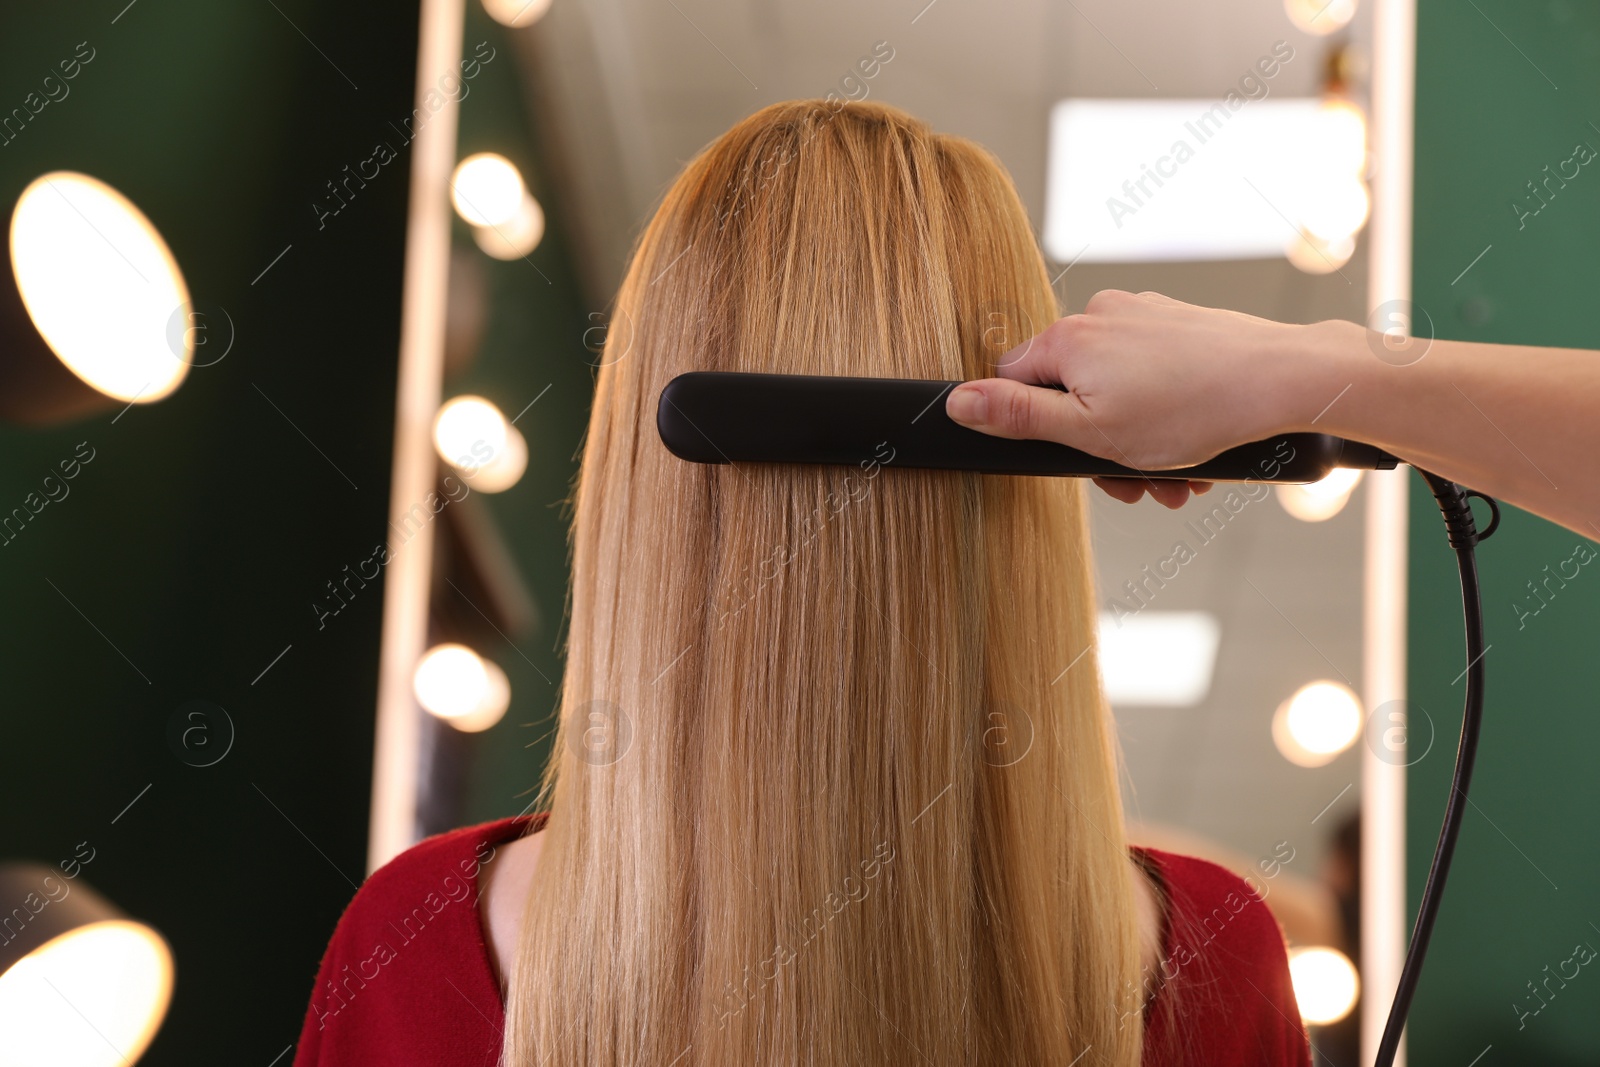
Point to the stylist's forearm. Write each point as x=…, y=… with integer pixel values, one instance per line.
x=1521, y=424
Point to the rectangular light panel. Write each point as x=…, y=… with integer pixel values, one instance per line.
x=1158, y=658
x=1153, y=180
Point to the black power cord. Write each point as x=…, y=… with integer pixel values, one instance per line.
x=1455, y=504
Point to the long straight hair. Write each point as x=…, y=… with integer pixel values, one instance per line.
x=834, y=781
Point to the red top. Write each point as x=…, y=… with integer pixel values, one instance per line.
x=406, y=978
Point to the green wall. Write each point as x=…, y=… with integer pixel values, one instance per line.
x=192, y=546
x=1504, y=89
x=194, y=543
x=198, y=538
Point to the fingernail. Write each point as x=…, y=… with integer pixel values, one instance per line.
x=968, y=404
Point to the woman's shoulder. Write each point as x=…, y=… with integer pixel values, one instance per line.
x=462, y=852
x=441, y=870
x=407, y=949
x=1224, y=971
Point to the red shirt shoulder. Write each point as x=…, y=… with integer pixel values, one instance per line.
x=1224, y=994
x=407, y=952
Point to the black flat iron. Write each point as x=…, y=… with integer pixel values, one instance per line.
x=731, y=417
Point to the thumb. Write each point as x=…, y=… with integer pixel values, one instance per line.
x=1004, y=408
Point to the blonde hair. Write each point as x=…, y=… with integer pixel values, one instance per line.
x=834, y=781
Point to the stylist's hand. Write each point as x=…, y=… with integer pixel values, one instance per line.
x=1153, y=383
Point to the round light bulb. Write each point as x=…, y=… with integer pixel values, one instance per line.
x=1318, y=722
x=1320, y=17
x=1340, y=137
x=516, y=13
x=516, y=237
x=1325, y=984
x=506, y=468
x=487, y=189
x=1321, y=499
x=1315, y=256
x=461, y=687
x=1336, y=208
x=100, y=285
x=469, y=432
x=92, y=997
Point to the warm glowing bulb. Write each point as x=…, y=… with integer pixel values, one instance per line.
x=1336, y=207
x=517, y=236
x=1315, y=256
x=1320, y=17
x=487, y=189
x=469, y=432
x=505, y=468
x=100, y=285
x=461, y=687
x=516, y=12
x=1321, y=499
x=1320, y=721
x=92, y=997
x=1325, y=984
x=1340, y=140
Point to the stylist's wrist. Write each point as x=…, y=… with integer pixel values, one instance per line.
x=1318, y=382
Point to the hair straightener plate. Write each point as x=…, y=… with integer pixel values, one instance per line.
x=730, y=417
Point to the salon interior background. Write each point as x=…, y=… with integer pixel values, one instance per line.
x=183, y=560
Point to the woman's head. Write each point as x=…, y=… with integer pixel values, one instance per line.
x=834, y=780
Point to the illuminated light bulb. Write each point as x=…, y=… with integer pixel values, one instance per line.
x=1320, y=17
x=1336, y=208
x=100, y=285
x=459, y=686
x=469, y=432
x=487, y=189
x=1315, y=256
x=516, y=13
x=1321, y=499
x=1318, y=722
x=1339, y=137
x=505, y=468
x=518, y=236
x=1325, y=984
x=91, y=997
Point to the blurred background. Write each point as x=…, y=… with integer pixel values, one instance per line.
x=296, y=351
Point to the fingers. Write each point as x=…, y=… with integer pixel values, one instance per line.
x=1168, y=492
x=1127, y=490
x=1043, y=359
x=1158, y=298
x=1040, y=359
x=1005, y=408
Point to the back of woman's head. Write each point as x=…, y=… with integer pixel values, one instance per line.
x=833, y=782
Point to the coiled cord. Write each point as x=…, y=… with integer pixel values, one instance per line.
x=1455, y=504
